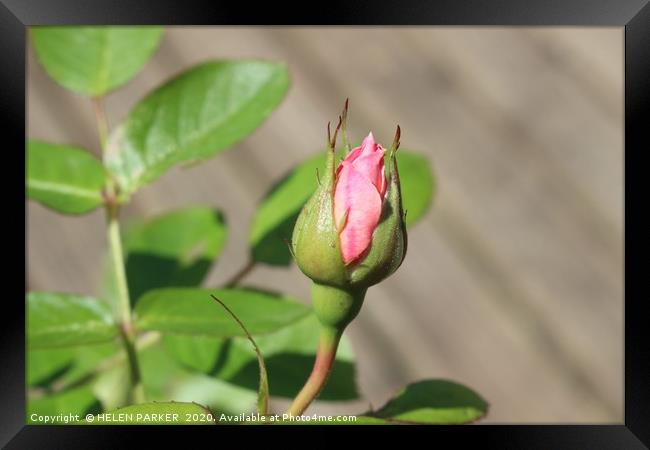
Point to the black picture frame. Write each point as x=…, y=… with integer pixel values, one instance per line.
x=633, y=15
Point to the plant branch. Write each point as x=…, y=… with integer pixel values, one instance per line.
x=327, y=346
x=241, y=274
x=122, y=305
x=136, y=394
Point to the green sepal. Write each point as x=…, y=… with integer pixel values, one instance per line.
x=315, y=240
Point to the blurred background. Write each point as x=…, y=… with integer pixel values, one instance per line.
x=513, y=284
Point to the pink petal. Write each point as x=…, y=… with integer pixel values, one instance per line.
x=382, y=184
x=371, y=165
x=357, y=196
x=368, y=159
x=367, y=146
x=354, y=154
x=368, y=142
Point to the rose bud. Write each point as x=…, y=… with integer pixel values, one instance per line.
x=373, y=236
x=349, y=236
x=351, y=233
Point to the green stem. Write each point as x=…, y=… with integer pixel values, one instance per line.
x=327, y=346
x=335, y=307
x=123, y=306
x=136, y=394
x=123, y=303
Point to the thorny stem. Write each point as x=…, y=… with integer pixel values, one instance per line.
x=122, y=305
x=327, y=346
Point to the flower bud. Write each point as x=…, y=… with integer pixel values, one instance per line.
x=349, y=236
x=351, y=233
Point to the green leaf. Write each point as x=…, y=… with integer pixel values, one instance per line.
x=66, y=365
x=204, y=110
x=87, y=360
x=192, y=311
x=112, y=386
x=198, y=353
x=263, y=389
x=160, y=373
x=57, y=408
x=220, y=396
x=276, y=214
x=59, y=320
x=44, y=366
x=94, y=60
x=434, y=402
x=163, y=413
x=417, y=183
x=158, y=255
x=165, y=379
x=64, y=178
x=289, y=355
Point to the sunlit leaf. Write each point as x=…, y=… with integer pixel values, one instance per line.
x=94, y=60
x=59, y=320
x=65, y=178
x=202, y=111
x=433, y=402
x=193, y=312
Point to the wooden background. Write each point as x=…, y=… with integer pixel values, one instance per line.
x=514, y=280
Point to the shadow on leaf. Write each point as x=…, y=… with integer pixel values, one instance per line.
x=49, y=378
x=289, y=371
x=273, y=247
x=147, y=271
